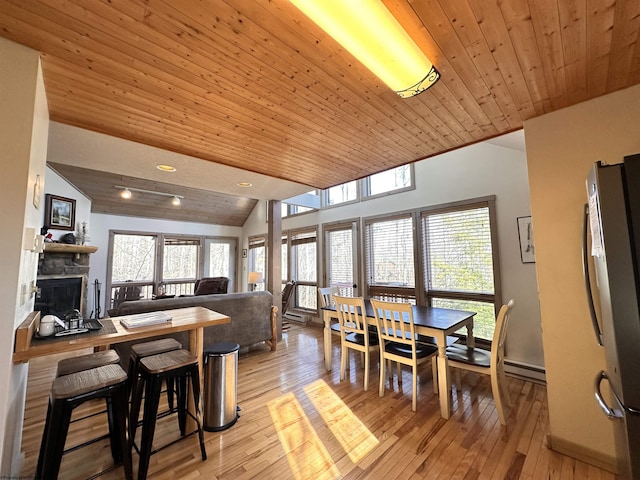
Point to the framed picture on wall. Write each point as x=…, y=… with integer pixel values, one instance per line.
x=525, y=234
x=59, y=212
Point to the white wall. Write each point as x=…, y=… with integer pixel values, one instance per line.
x=101, y=224
x=475, y=171
x=23, y=144
x=561, y=147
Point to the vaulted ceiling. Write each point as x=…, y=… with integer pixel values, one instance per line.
x=254, y=84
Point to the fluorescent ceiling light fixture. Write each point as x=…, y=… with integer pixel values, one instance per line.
x=166, y=168
x=245, y=184
x=126, y=193
x=368, y=30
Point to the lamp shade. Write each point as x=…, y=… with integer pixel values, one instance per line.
x=370, y=32
x=255, y=277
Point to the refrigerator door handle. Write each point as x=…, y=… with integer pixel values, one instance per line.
x=587, y=274
x=611, y=413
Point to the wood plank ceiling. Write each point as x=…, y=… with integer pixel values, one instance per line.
x=255, y=84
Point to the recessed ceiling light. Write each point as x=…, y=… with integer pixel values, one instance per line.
x=245, y=184
x=166, y=168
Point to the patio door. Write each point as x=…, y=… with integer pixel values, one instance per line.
x=220, y=259
x=341, y=258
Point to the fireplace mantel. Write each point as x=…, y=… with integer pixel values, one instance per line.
x=69, y=248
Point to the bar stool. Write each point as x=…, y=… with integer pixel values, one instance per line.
x=77, y=364
x=146, y=349
x=137, y=353
x=68, y=392
x=179, y=365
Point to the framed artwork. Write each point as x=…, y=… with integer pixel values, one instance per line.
x=59, y=213
x=527, y=245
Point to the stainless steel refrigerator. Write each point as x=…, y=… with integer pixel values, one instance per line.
x=612, y=248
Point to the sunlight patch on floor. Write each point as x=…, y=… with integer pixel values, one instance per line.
x=354, y=437
x=306, y=454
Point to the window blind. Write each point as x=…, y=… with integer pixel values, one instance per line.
x=458, y=253
x=389, y=251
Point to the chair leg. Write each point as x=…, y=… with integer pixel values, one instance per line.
x=503, y=387
x=383, y=363
x=366, y=370
x=414, y=400
x=497, y=398
x=170, y=391
x=344, y=357
x=399, y=370
x=434, y=373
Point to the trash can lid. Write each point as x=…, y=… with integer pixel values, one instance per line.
x=221, y=348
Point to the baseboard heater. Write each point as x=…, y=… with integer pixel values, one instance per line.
x=297, y=317
x=525, y=370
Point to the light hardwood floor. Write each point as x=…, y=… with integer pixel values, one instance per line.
x=300, y=422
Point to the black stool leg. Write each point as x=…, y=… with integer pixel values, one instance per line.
x=43, y=443
x=116, y=450
x=182, y=403
x=194, y=373
x=134, y=414
x=152, y=399
x=56, y=433
x=118, y=434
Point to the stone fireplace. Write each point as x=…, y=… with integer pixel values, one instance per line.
x=63, y=272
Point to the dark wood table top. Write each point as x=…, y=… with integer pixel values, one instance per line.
x=429, y=317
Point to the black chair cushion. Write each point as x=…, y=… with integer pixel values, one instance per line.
x=422, y=350
x=469, y=355
x=359, y=338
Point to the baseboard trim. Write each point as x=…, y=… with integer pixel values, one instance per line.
x=586, y=455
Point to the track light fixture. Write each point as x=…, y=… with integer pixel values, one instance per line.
x=126, y=193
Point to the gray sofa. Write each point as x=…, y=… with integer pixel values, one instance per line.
x=253, y=318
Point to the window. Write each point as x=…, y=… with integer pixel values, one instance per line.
x=180, y=261
x=257, y=259
x=346, y=192
x=303, y=264
x=458, y=255
x=140, y=262
x=399, y=178
x=389, y=252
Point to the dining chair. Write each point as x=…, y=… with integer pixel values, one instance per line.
x=488, y=362
x=397, y=338
x=354, y=333
x=326, y=299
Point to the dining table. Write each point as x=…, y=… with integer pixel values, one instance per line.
x=437, y=323
x=193, y=320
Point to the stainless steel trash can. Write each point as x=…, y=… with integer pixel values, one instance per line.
x=220, y=386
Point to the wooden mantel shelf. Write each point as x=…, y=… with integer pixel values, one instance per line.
x=69, y=248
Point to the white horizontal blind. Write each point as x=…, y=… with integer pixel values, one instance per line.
x=340, y=261
x=389, y=251
x=459, y=256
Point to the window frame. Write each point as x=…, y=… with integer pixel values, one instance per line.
x=428, y=295
x=185, y=286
